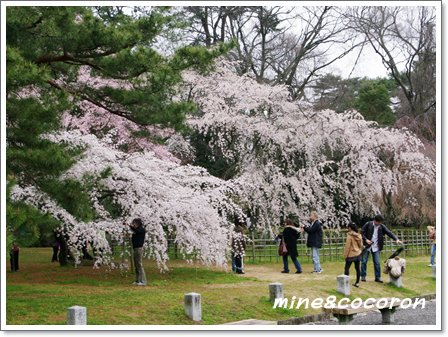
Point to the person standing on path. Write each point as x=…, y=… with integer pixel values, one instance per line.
x=138, y=239
x=290, y=235
x=352, y=251
x=432, y=238
x=314, y=241
x=373, y=238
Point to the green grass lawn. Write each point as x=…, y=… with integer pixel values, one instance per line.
x=41, y=291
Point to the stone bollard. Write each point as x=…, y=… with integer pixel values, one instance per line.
x=192, y=305
x=398, y=282
x=343, y=283
x=275, y=291
x=388, y=315
x=434, y=271
x=77, y=315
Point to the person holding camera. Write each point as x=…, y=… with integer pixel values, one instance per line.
x=138, y=239
x=314, y=241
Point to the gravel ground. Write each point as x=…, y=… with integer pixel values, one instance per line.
x=418, y=316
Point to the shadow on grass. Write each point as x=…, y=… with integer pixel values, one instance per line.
x=201, y=276
x=406, y=292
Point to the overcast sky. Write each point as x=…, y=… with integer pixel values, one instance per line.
x=369, y=65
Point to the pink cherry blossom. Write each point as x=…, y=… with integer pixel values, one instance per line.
x=290, y=159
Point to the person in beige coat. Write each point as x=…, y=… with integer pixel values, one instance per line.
x=353, y=251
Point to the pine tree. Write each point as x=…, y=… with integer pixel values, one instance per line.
x=50, y=53
x=373, y=102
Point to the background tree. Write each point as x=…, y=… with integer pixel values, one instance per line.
x=404, y=38
x=278, y=45
x=209, y=23
x=283, y=157
x=332, y=92
x=323, y=39
x=371, y=97
x=373, y=101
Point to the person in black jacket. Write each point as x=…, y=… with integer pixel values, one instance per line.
x=138, y=239
x=373, y=238
x=314, y=241
x=56, y=246
x=14, y=256
x=290, y=235
x=238, y=248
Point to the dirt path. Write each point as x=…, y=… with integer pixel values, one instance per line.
x=273, y=273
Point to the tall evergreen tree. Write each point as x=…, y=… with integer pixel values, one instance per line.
x=373, y=102
x=371, y=97
x=50, y=53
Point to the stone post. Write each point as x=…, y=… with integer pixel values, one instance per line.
x=192, y=305
x=275, y=291
x=387, y=315
x=77, y=315
x=344, y=319
x=343, y=284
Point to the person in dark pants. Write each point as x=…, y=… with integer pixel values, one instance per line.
x=290, y=235
x=373, y=238
x=85, y=252
x=138, y=239
x=14, y=257
x=352, y=251
x=56, y=247
x=238, y=248
x=314, y=241
x=432, y=238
